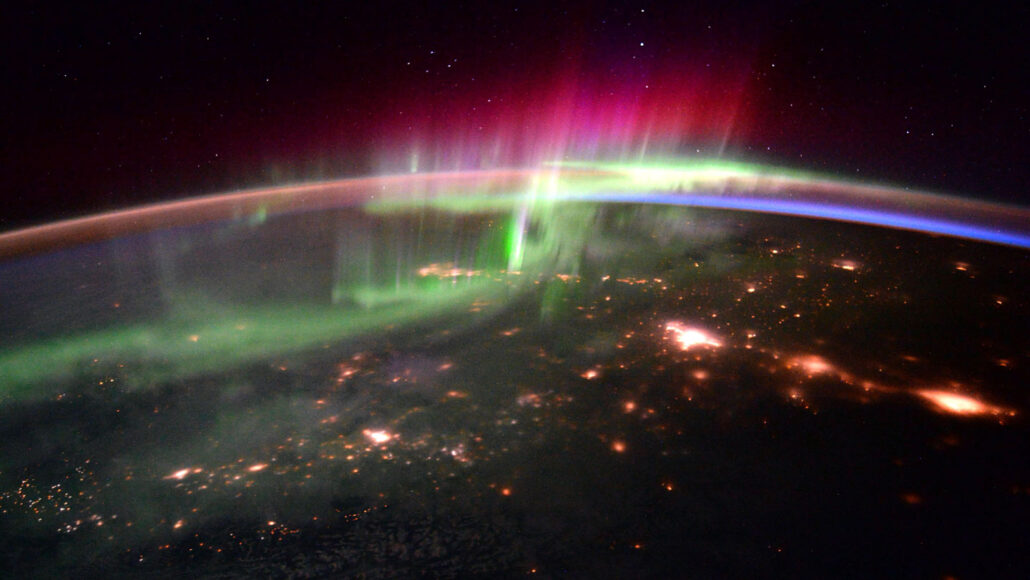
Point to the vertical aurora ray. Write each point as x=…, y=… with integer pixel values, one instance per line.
x=517, y=238
x=571, y=112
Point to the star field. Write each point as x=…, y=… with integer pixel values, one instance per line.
x=141, y=103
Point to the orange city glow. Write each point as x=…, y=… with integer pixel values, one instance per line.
x=956, y=404
x=813, y=365
x=182, y=473
x=377, y=436
x=689, y=337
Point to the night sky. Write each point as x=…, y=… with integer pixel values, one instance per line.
x=127, y=103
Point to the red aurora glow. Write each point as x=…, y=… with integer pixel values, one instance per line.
x=573, y=115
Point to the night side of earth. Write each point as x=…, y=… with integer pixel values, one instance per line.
x=585, y=370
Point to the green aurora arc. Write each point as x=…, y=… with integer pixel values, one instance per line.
x=153, y=352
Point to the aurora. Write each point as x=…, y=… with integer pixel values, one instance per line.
x=700, y=183
x=537, y=235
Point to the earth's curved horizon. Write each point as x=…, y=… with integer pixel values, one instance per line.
x=699, y=183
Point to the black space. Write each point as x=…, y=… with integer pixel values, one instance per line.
x=114, y=104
